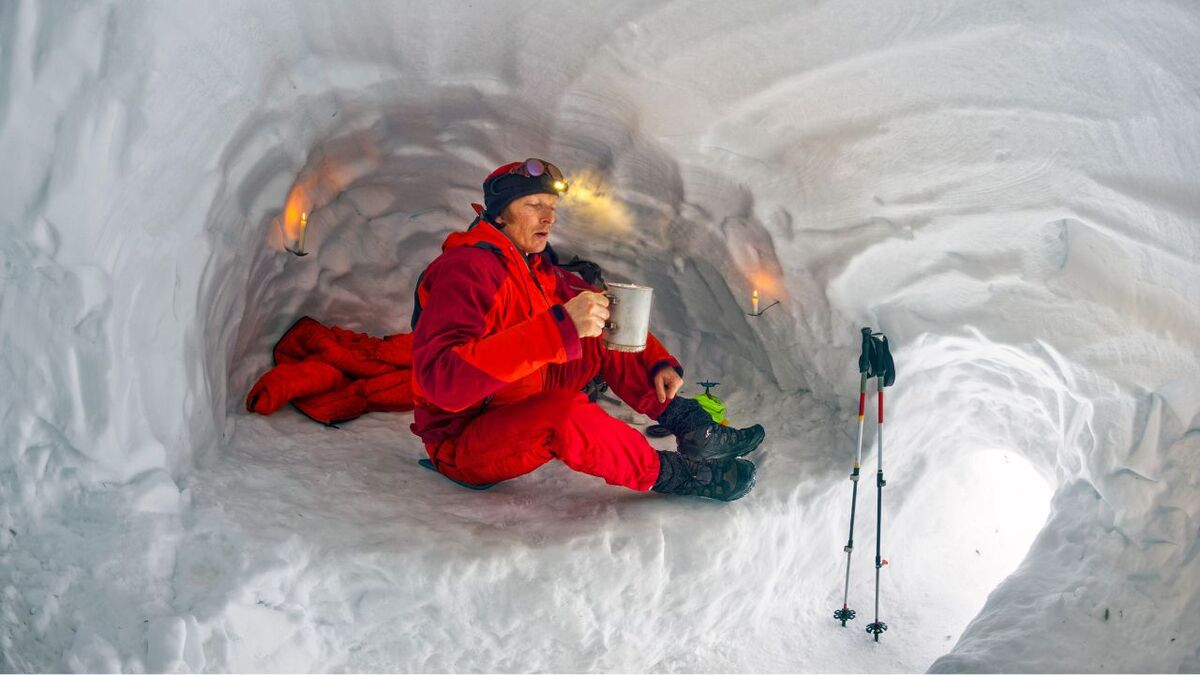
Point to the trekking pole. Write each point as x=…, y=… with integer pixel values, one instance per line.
x=864, y=370
x=884, y=370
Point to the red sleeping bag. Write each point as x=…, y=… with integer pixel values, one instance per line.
x=334, y=375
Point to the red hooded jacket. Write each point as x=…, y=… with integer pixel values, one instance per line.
x=489, y=323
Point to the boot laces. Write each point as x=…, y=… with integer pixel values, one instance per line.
x=714, y=483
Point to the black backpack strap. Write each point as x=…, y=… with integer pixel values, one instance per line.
x=587, y=270
x=417, y=299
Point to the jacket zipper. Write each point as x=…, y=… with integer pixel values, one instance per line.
x=538, y=284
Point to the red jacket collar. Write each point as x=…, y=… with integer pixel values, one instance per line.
x=481, y=231
x=484, y=232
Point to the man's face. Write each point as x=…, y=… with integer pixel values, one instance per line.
x=528, y=221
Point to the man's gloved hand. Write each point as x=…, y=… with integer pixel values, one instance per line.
x=588, y=311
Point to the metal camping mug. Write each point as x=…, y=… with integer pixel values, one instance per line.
x=629, y=317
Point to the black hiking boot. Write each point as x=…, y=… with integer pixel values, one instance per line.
x=713, y=441
x=725, y=480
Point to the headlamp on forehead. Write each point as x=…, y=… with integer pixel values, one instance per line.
x=540, y=168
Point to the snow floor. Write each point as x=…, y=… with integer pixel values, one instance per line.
x=353, y=557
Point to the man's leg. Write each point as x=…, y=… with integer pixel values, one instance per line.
x=574, y=375
x=513, y=440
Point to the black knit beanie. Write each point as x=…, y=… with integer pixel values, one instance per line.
x=502, y=187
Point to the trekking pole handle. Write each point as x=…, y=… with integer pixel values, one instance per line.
x=865, y=356
x=883, y=365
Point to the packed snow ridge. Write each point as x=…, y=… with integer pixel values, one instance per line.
x=1009, y=192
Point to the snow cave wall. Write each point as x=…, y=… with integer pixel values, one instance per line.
x=1009, y=192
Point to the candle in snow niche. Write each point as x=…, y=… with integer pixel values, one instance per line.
x=754, y=302
x=293, y=240
x=303, y=229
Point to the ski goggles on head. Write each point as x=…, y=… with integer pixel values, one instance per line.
x=539, y=168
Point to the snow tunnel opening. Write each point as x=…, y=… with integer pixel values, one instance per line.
x=975, y=439
x=962, y=528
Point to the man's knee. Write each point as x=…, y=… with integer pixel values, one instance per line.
x=574, y=422
x=557, y=404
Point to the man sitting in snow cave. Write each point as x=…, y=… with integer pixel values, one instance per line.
x=505, y=339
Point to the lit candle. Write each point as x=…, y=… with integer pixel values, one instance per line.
x=754, y=302
x=303, y=229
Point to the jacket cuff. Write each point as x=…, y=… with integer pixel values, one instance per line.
x=566, y=331
x=665, y=363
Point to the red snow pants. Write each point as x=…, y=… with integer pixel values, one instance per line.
x=560, y=423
